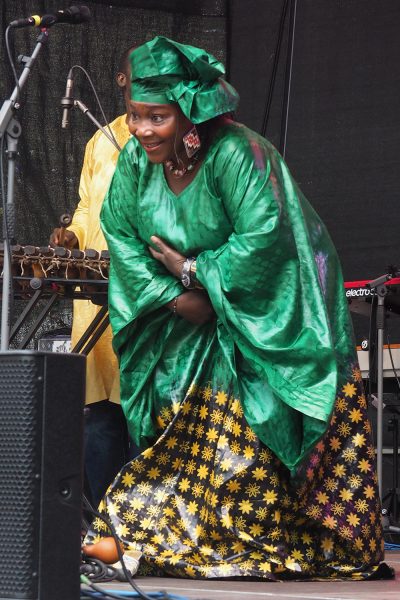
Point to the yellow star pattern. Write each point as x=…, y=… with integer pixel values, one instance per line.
x=210, y=500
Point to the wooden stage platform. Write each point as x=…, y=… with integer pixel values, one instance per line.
x=249, y=590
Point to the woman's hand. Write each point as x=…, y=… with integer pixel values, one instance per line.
x=65, y=236
x=193, y=306
x=170, y=258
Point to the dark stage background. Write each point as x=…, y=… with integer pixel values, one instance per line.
x=343, y=119
x=340, y=97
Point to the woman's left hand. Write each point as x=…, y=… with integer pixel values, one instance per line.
x=170, y=258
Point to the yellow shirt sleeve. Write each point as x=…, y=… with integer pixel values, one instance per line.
x=102, y=377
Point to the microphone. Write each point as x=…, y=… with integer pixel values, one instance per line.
x=73, y=15
x=68, y=100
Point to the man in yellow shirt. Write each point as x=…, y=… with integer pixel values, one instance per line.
x=106, y=436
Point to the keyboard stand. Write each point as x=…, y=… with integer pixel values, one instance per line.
x=52, y=290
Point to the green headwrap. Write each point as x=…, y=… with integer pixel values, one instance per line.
x=164, y=71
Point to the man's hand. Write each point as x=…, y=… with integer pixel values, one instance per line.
x=70, y=240
x=170, y=258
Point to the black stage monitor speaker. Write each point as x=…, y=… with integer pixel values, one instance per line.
x=41, y=425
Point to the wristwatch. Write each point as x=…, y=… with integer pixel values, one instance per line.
x=185, y=274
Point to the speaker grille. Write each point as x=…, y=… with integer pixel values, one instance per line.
x=21, y=384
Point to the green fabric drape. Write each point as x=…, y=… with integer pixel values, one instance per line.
x=283, y=330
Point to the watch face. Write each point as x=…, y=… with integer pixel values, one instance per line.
x=185, y=280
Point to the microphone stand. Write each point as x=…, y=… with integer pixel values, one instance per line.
x=87, y=112
x=10, y=126
x=381, y=290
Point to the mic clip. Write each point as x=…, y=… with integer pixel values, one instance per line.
x=67, y=102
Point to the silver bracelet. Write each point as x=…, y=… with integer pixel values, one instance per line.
x=193, y=276
x=185, y=274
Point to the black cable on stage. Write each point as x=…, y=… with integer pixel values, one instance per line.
x=274, y=68
x=126, y=572
x=97, y=571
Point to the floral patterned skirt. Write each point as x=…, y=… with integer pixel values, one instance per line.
x=209, y=500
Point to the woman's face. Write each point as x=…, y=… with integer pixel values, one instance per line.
x=159, y=128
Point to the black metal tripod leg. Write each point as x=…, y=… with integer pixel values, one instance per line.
x=38, y=321
x=90, y=330
x=96, y=335
x=25, y=313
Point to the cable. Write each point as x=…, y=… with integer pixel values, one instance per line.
x=96, y=570
x=11, y=61
x=97, y=592
x=126, y=572
x=390, y=546
x=288, y=77
x=274, y=68
x=97, y=99
x=155, y=595
x=96, y=588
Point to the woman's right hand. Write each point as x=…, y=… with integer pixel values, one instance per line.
x=70, y=239
x=194, y=306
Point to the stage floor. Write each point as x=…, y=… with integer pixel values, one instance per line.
x=247, y=590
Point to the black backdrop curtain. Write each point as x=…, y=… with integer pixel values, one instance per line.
x=50, y=158
x=343, y=128
x=343, y=117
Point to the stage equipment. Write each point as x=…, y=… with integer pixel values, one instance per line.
x=41, y=428
x=360, y=295
x=391, y=363
x=10, y=126
x=56, y=264
x=41, y=407
x=376, y=299
x=380, y=288
x=393, y=496
x=72, y=15
x=45, y=273
x=68, y=102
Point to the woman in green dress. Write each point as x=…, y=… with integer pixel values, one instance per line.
x=239, y=376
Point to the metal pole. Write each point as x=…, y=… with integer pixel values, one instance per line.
x=380, y=325
x=9, y=124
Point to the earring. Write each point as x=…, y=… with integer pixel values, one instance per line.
x=121, y=79
x=191, y=141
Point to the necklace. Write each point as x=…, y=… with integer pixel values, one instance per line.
x=179, y=172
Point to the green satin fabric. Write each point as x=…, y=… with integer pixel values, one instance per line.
x=282, y=336
x=164, y=71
